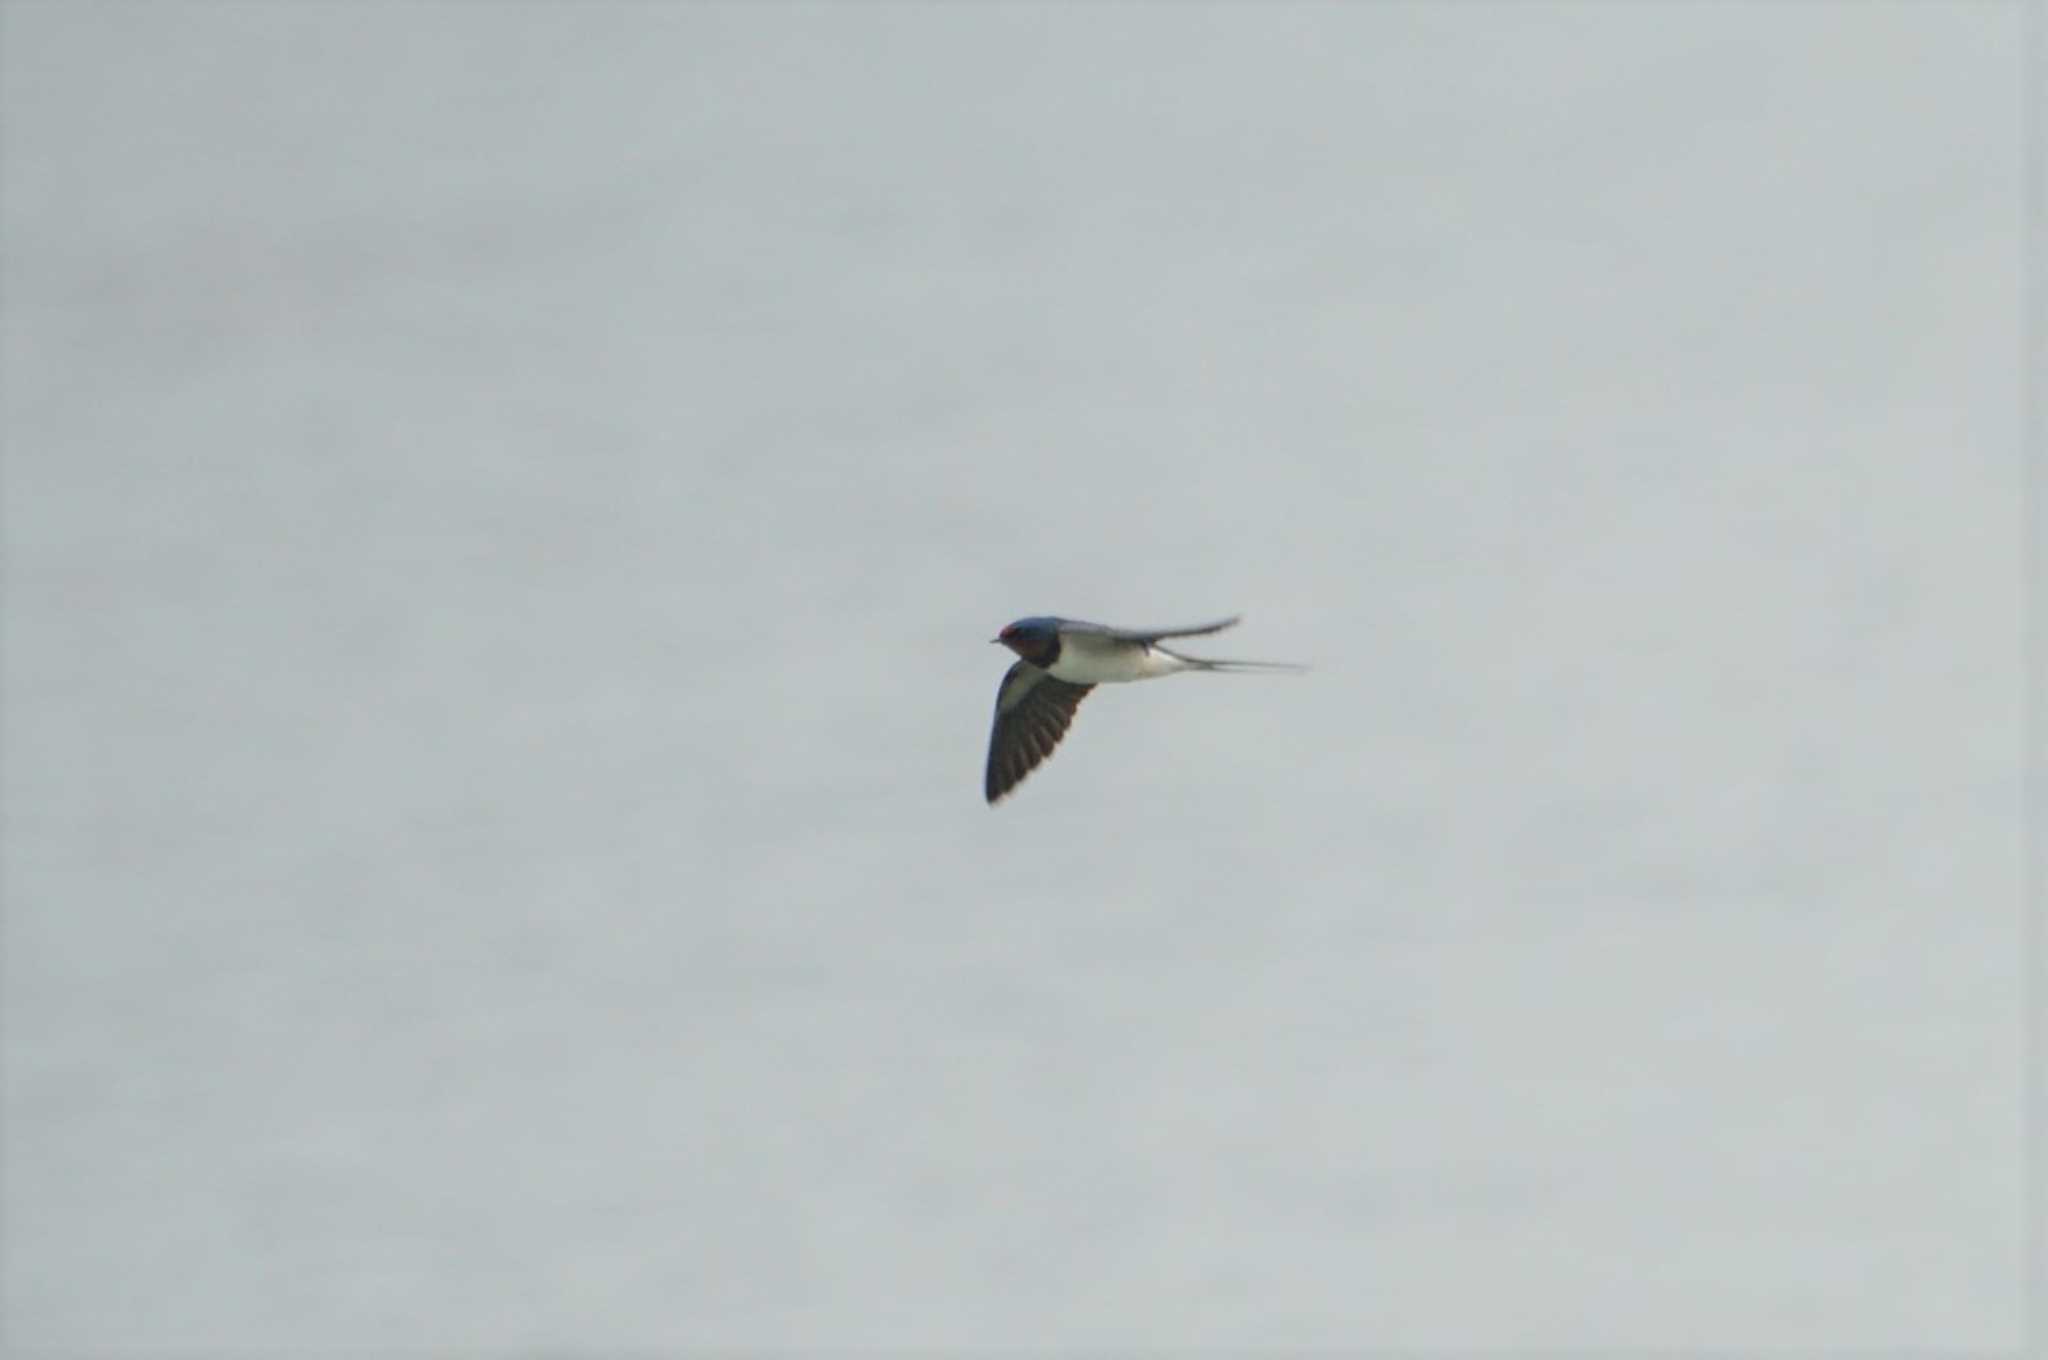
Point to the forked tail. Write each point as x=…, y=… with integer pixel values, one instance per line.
x=1200, y=663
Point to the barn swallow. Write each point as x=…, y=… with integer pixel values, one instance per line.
x=1058, y=662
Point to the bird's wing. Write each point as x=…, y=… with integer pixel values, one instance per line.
x=1154, y=634
x=1032, y=714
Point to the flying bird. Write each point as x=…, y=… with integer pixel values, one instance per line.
x=1058, y=662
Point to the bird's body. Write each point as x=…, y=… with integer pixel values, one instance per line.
x=1095, y=659
x=1059, y=661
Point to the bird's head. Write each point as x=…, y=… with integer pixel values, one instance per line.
x=1031, y=639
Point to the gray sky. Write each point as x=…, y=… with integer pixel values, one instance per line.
x=505, y=507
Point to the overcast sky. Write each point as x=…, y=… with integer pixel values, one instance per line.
x=505, y=507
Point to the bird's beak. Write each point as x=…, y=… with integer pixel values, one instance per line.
x=995, y=639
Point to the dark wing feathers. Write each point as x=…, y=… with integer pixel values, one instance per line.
x=1033, y=711
x=1154, y=634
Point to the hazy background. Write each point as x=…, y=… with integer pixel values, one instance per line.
x=505, y=505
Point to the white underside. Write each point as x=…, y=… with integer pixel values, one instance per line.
x=1086, y=660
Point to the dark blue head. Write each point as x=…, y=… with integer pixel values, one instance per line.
x=1037, y=640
